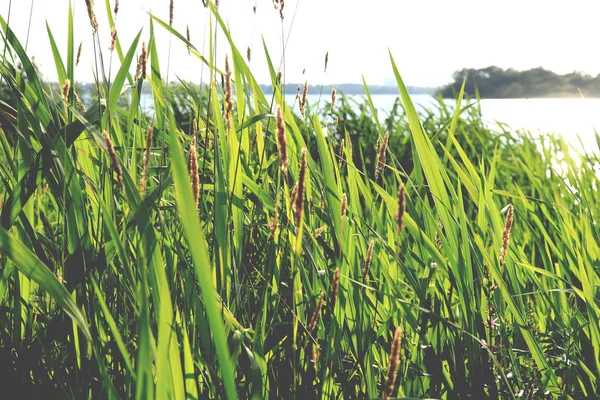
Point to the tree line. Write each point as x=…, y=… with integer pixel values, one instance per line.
x=495, y=82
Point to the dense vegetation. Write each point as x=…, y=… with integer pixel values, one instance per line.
x=495, y=82
x=200, y=252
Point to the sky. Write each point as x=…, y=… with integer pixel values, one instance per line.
x=429, y=39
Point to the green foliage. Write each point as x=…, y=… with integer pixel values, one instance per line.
x=110, y=291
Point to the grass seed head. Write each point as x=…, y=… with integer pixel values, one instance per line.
x=394, y=361
x=401, y=207
x=116, y=10
x=335, y=287
x=315, y=316
x=79, y=102
x=113, y=159
x=79, y=53
x=146, y=160
x=315, y=357
x=141, y=67
x=92, y=15
x=249, y=54
x=303, y=100
x=320, y=230
x=187, y=35
x=193, y=170
x=113, y=38
x=333, y=97
x=299, y=200
x=506, y=233
x=65, y=89
x=381, y=153
x=326, y=61
x=282, y=141
x=344, y=205
x=368, y=260
x=228, y=94
x=171, y=9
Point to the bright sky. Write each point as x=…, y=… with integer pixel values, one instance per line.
x=429, y=39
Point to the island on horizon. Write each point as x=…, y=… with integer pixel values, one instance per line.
x=485, y=83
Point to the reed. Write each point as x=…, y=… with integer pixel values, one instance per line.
x=175, y=293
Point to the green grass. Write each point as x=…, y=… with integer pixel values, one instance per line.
x=111, y=293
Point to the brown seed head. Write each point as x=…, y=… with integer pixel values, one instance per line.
x=92, y=15
x=303, y=100
x=293, y=195
x=368, y=260
x=171, y=7
x=146, y=160
x=113, y=38
x=333, y=97
x=344, y=205
x=315, y=316
x=193, y=170
x=141, y=69
x=110, y=148
x=506, y=233
x=228, y=94
x=320, y=230
x=79, y=53
x=116, y=7
x=394, y=361
x=299, y=200
x=65, y=89
x=401, y=207
x=341, y=154
x=249, y=54
x=282, y=141
x=326, y=61
x=381, y=153
x=335, y=287
x=194, y=125
x=79, y=102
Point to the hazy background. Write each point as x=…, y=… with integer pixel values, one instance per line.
x=430, y=39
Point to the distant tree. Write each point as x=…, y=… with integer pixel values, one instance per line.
x=495, y=82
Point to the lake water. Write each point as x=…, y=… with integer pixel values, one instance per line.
x=574, y=119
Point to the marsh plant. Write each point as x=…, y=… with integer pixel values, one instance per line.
x=224, y=246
